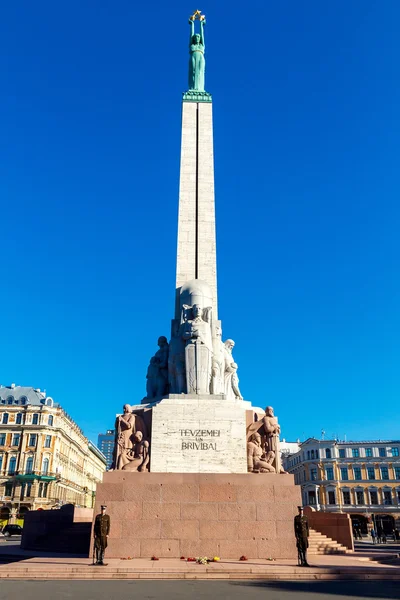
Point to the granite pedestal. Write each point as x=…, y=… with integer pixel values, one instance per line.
x=174, y=515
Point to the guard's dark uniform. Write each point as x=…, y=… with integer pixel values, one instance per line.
x=301, y=531
x=101, y=531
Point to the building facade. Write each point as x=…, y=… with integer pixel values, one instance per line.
x=359, y=478
x=45, y=460
x=105, y=443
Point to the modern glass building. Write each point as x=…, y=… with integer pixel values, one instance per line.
x=105, y=443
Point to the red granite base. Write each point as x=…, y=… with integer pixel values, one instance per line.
x=170, y=515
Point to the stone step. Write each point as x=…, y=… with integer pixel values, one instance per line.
x=268, y=573
x=319, y=543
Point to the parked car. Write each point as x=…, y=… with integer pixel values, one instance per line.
x=10, y=530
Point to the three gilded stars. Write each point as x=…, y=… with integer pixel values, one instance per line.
x=197, y=15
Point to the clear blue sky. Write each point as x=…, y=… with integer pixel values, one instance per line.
x=307, y=140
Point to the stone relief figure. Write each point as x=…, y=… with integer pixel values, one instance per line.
x=157, y=372
x=176, y=361
x=271, y=431
x=126, y=426
x=137, y=459
x=197, y=63
x=257, y=460
x=218, y=363
x=230, y=373
x=196, y=331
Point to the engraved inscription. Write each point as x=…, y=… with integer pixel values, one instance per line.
x=201, y=439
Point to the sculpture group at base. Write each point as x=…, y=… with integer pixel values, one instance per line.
x=131, y=448
x=263, y=448
x=196, y=360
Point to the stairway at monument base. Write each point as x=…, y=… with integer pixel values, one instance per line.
x=174, y=515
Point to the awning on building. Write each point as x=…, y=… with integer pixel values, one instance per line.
x=31, y=477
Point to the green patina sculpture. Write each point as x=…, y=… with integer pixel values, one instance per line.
x=197, y=63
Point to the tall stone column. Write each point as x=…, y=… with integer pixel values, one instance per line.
x=196, y=253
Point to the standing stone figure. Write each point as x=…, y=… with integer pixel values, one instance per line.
x=176, y=361
x=157, y=372
x=138, y=458
x=126, y=425
x=197, y=63
x=101, y=531
x=301, y=531
x=231, y=378
x=196, y=331
x=218, y=363
x=272, y=430
x=257, y=460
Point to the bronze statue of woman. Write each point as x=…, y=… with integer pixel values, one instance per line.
x=197, y=63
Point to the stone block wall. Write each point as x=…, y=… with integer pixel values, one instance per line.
x=173, y=515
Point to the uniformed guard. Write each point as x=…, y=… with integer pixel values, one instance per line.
x=301, y=531
x=101, y=531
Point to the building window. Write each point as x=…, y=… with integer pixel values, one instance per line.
x=43, y=490
x=356, y=452
x=10, y=400
x=374, y=497
x=397, y=472
x=331, y=498
x=357, y=473
x=12, y=465
x=23, y=400
x=312, y=454
x=16, y=438
x=47, y=441
x=382, y=452
x=329, y=474
x=368, y=452
x=328, y=453
x=395, y=452
x=311, y=498
x=28, y=490
x=308, y=455
x=22, y=493
x=8, y=490
x=398, y=496
x=5, y=418
x=51, y=419
x=360, y=497
x=45, y=467
x=1, y=462
x=32, y=439
x=35, y=419
x=29, y=465
x=313, y=474
x=384, y=473
x=344, y=473
x=2, y=439
x=346, y=497
x=18, y=419
x=342, y=453
x=387, y=498
x=371, y=472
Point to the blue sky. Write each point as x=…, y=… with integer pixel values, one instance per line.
x=307, y=132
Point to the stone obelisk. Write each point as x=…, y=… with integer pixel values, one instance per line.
x=196, y=252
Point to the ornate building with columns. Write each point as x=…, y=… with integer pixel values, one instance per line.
x=45, y=459
x=359, y=478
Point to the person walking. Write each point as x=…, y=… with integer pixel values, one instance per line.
x=373, y=535
x=101, y=531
